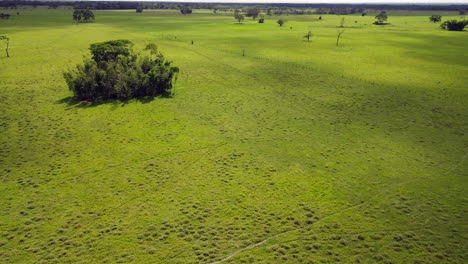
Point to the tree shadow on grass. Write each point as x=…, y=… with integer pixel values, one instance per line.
x=75, y=103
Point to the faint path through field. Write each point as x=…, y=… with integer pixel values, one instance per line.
x=335, y=213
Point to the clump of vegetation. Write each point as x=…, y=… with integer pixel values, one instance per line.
x=280, y=22
x=381, y=18
x=139, y=9
x=435, y=18
x=454, y=25
x=83, y=16
x=7, y=40
x=185, y=10
x=4, y=16
x=116, y=72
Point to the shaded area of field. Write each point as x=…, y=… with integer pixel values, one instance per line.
x=363, y=144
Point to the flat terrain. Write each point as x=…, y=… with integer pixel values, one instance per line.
x=297, y=152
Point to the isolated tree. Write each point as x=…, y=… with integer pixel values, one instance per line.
x=139, y=9
x=185, y=10
x=454, y=25
x=261, y=20
x=7, y=40
x=320, y=18
x=363, y=14
x=342, y=22
x=280, y=22
x=238, y=16
x=308, y=36
x=116, y=72
x=338, y=36
x=253, y=12
x=381, y=18
x=83, y=15
x=435, y=18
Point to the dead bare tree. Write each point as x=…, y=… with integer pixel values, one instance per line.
x=340, y=32
x=7, y=44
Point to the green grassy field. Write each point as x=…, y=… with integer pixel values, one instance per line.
x=297, y=152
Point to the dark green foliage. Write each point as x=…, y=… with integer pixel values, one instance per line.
x=381, y=18
x=454, y=25
x=110, y=50
x=115, y=72
x=139, y=9
x=83, y=16
x=280, y=22
x=435, y=18
x=261, y=20
x=185, y=10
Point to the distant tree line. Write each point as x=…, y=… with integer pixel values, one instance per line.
x=280, y=8
x=116, y=72
x=4, y=16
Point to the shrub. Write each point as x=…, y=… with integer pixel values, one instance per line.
x=116, y=72
x=454, y=25
x=435, y=18
x=261, y=20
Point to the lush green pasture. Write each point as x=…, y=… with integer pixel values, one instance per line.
x=318, y=153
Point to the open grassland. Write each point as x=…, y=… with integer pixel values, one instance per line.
x=297, y=152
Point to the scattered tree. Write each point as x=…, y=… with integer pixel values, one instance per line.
x=253, y=12
x=454, y=25
x=435, y=18
x=185, y=10
x=7, y=40
x=320, y=18
x=381, y=18
x=116, y=72
x=280, y=22
x=238, y=16
x=139, y=9
x=83, y=15
x=261, y=20
x=363, y=14
x=340, y=32
x=308, y=36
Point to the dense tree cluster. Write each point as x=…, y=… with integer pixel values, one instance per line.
x=116, y=72
x=454, y=25
x=83, y=16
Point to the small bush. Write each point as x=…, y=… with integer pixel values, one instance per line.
x=116, y=72
x=454, y=25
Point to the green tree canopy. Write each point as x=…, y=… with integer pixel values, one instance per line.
x=116, y=72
